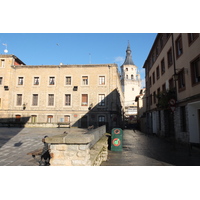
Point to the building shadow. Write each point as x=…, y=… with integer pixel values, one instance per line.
x=6, y=132
x=108, y=111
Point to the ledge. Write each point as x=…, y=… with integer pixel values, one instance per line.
x=77, y=138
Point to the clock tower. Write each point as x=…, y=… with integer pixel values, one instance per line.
x=131, y=84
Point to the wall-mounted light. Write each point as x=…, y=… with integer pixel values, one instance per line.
x=175, y=76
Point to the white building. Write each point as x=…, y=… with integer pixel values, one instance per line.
x=131, y=84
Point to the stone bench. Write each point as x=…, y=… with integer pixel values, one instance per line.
x=79, y=149
x=65, y=124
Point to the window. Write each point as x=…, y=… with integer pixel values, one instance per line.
x=150, y=99
x=161, y=42
x=20, y=80
x=19, y=100
x=68, y=100
x=153, y=77
x=150, y=81
x=158, y=72
x=36, y=81
x=101, y=99
x=51, y=100
x=126, y=76
x=171, y=83
x=2, y=64
x=195, y=71
x=163, y=66
x=164, y=87
x=181, y=80
x=101, y=80
x=52, y=80
x=35, y=100
x=85, y=80
x=132, y=77
x=101, y=120
x=49, y=118
x=126, y=69
x=192, y=37
x=179, y=47
x=154, y=97
x=158, y=91
x=157, y=52
x=1, y=80
x=67, y=118
x=68, y=80
x=17, y=118
x=153, y=58
x=33, y=118
x=84, y=100
x=169, y=58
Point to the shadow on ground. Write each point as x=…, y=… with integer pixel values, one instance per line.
x=6, y=124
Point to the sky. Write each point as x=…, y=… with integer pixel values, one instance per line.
x=114, y=23
x=77, y=48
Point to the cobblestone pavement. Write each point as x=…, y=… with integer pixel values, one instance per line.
x=142, y=150
x=138, y=149
x=15, y=143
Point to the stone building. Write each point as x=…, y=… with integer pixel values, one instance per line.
x=82, y=95
x=173, y=86
x=131, y=84
x=141, y=109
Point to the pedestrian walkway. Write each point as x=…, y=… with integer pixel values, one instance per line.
x=138, y=148
x=143, y=150
x=15, y=143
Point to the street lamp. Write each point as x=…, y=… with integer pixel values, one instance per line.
x=176, y=76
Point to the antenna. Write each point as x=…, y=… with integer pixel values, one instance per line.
x=6, y=50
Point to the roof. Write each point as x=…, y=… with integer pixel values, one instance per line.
x=12, y=56
x=128, y=60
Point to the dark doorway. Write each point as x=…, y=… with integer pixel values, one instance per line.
x=84, y=122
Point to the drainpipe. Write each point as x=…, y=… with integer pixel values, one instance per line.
x=174, y=62
x=176, y=95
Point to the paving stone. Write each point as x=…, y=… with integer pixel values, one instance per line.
x=143, y=150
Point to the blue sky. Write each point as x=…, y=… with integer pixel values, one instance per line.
x=77, y=48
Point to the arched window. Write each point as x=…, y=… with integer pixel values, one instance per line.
x=132, y=77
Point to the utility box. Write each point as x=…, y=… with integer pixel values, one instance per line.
x=116, y=139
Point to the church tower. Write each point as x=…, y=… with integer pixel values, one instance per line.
x=131, y=84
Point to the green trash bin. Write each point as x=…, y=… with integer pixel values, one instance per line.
x=116, y=139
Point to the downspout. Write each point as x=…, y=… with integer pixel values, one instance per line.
x=174, y=62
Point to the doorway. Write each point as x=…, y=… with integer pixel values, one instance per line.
x=84, y=121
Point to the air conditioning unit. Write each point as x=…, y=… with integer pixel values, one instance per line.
x=75, y=88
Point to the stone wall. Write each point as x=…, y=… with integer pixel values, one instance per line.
x=79, y=149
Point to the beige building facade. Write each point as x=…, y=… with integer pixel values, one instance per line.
x=173, y=86
x=82, y=95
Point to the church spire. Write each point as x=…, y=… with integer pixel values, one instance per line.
x=128, y=60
